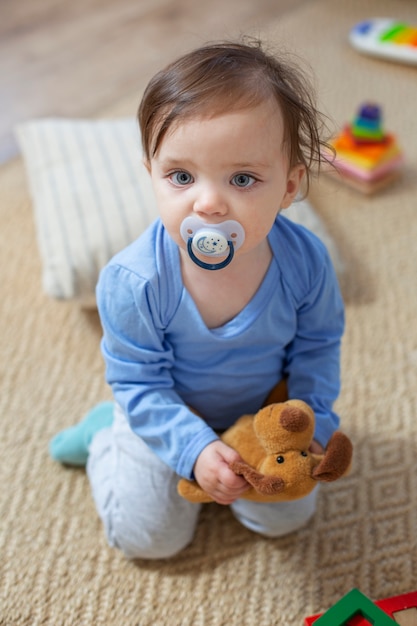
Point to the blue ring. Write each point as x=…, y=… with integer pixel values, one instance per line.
x=210, y=266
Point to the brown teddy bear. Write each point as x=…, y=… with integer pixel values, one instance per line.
x=274, y=445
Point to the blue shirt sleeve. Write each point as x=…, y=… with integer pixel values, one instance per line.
x=138, y=368
x=312, y=362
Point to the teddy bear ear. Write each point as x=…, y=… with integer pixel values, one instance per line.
x=297, y=417
x=266, y=485
x=337, y=459
x=283, y=424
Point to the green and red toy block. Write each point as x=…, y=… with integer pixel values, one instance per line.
x=356, y=609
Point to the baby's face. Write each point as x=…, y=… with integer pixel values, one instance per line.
x=228, y=167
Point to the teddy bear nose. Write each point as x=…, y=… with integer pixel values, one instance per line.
x=294, y=419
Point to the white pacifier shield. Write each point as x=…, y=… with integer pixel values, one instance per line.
x=212, y=239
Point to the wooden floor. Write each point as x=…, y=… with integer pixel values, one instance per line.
x=75, y=58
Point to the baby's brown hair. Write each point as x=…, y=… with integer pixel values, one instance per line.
x=229, y=76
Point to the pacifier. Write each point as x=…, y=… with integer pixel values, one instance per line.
x=212, y=240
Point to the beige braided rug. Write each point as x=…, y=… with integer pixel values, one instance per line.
x=55, y=567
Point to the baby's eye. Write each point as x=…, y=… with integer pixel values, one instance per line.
x=243, y=180
x=181, y=178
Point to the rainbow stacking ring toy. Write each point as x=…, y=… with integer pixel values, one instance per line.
x=367, y=158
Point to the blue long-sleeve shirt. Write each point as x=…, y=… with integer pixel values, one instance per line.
x=161, y=359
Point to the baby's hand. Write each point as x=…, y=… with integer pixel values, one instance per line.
x=214, y=475
x=316, y=448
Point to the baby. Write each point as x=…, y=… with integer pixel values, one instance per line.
x=221, y=299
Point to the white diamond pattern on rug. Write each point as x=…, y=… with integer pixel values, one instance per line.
x=390, y=534
x=331, y=584
x=340, y=544
x=340, y=501
x=392, y=575
x=387, y=454
x=389, y=491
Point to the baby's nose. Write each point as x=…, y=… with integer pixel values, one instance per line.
x=210, y=202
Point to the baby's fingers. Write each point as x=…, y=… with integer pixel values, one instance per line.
x=229, y=487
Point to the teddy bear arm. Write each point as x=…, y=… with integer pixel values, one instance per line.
x=191, y=491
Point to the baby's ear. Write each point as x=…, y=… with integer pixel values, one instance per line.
x=294, y=179
x=147, y=164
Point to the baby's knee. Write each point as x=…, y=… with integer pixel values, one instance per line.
x=278, y=528
x=149, y=546
x=275, y=519
x=136, y=497
x=149, y=536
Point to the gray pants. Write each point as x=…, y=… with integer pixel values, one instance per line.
x=143, y=515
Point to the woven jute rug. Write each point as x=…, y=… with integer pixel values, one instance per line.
x=56, y=568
